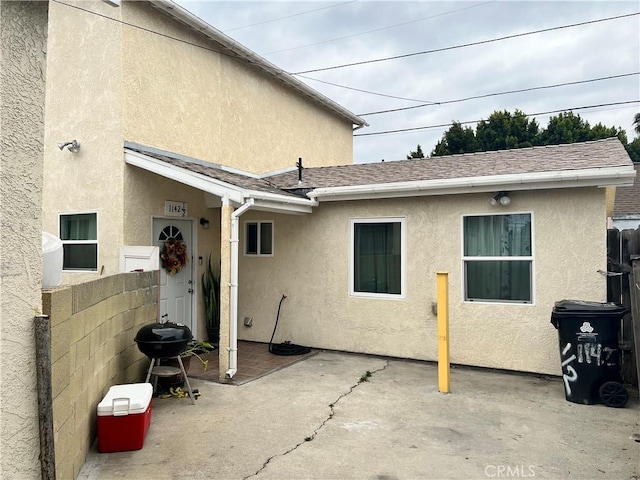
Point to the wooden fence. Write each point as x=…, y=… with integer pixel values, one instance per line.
x=623, y=273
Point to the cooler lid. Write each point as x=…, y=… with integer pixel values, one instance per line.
x=126, y=399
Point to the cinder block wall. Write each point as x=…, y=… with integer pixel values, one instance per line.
x=93, y=326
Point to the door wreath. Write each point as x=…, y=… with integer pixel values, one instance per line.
x=173, y=256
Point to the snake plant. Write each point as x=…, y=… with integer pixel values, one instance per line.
x=211, y=296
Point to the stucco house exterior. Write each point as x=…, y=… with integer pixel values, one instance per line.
x=358, y=263
x=181, y=128
x=152, y=73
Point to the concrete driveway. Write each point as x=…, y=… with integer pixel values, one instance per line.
x=318, y=420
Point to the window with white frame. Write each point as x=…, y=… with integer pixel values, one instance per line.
x=259, y=238
x=378, y=257
x=498, y=258
x=79, y=235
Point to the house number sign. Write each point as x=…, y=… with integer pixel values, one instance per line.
x=175, y=209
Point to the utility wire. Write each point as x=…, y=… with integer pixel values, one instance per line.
x=475, y=97
x=289, y=16
x=369, y=92
x=378, y=29
x=482, y=42
x=476, y=121
x=427, y=103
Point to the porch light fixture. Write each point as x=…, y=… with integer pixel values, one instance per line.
x=73, y=146
x=205, y=223
x=501, y=198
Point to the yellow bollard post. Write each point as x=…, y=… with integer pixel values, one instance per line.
x=443, y=331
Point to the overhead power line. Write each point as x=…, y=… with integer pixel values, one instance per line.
x=400, y=130
x=476, y=97
x=369, y=92
x=289, y=16
x=482, y=42
x=427, y=103
x=378, y=29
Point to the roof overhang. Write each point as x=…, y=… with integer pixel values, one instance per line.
x=236, y=195
x=176, y=11
x=592, y=177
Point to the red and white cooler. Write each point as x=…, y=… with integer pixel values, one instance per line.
x=124, y=415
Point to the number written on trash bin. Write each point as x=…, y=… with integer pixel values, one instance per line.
x=589, y=352
x=569, y=374
x=594, y=353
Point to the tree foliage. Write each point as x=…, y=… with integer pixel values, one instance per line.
x=456, y=140
x=633, y=149
x=504, y=130
x=418, y=153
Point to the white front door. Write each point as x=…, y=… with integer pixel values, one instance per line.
x=176, y=291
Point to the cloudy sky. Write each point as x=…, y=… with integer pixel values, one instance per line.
x=307, y=35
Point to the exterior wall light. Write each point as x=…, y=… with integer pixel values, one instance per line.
x=73, y=146
x=205, y=223
x=501, y=198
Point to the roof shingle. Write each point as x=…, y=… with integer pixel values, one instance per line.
x=561, y=158
x=628, y=198
x=576, y=156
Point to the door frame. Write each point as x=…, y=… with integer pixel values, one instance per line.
x=194, y=255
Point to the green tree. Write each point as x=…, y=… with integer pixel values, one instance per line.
x=456, y=140
x=504, y=130
x=417, y=154
x=633, y=149
x=568, y=127
x=636, y=123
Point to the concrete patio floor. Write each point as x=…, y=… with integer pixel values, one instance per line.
x=317, y=420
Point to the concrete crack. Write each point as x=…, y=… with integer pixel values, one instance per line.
x=364, y=378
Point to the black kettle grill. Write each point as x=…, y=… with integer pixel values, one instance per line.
x=163, y=340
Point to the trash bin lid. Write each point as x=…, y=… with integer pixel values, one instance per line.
x=580, y=306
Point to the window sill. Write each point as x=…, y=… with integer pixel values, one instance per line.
x=498, y=302
x=377, y=296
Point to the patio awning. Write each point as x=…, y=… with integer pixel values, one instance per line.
x=223, y=182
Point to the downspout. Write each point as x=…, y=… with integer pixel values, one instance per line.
x=233, y=288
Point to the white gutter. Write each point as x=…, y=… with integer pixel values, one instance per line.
x=180, y=13
x=233, y=286
x=281, y=199
x=591, y=177
x=275, y=207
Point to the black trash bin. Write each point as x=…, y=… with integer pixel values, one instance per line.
x=588, y=338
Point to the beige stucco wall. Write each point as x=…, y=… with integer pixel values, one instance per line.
x=310, y=266
x=84, y=103
x=611, y=200
x=23, y=30
x=197, y=102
